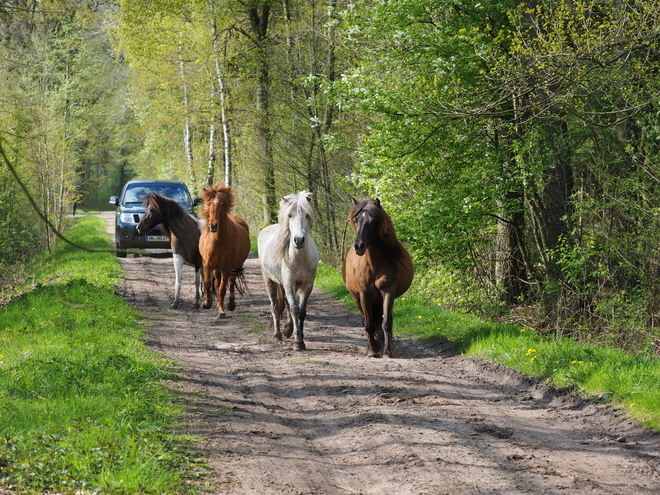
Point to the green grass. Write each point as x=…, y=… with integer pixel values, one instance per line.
x=82, y=405
x=630, y=382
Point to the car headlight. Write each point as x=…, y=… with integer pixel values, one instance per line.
x=127, y=218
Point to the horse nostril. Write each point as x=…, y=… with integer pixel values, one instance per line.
x=299, y=241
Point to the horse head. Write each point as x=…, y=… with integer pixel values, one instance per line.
x=366, y=219
x=296, y=214
x=152, y=213
x=218, y=201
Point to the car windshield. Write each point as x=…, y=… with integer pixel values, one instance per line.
x=137, y=193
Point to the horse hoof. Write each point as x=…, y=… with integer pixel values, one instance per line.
x=288, y=331
x=206, y=306
x=231, y=306
x=299, y=346
x=196, y=306
x=174, y=305
x=222, y=316
x=278, y=336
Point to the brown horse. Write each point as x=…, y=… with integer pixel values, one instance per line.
x=377, y=270
x=224, y=245
x=182, y=231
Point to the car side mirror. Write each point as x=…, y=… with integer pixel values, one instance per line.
x=197, y=202
x=114, y=200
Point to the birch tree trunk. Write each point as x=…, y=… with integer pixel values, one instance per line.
x=187, y=133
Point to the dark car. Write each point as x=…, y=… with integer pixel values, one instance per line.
x=130, y=210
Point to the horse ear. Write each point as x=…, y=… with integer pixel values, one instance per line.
x=377, y=202
x=309, y=197
x=355, y=201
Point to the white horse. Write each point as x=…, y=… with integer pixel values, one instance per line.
x=289, y=260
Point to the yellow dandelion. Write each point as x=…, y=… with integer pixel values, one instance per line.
x=533, y=358
x=530, y=351
x=573, y=362
x=522, y=330
x=633, y=404
x=420, y=317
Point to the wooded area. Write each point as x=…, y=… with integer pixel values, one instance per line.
x=515, y=144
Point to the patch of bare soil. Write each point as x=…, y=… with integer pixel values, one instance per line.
x=329, y=420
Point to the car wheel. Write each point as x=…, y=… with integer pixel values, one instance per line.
x=120, y=252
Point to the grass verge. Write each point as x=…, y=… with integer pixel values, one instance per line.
x=82, y=405
x=630, y=382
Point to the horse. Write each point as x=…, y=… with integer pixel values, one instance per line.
x=224, y=245
x=377, y=270
x=289, y=260
x=182, y=231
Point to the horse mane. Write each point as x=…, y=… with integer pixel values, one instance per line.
x=222, y=193
x=384, y=226
x=301, y=201
x=168, y=208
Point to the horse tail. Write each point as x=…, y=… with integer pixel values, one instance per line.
x=238, y=274
x=281, y=297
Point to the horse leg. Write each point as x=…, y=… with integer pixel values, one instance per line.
x=198, y=279
x=294, y=308
x=366, y=308
x=304, y=297
x=288, y=327
x=388, y=302
x=231, y=305
x=377, y=324
x=221, y=290
x=276, y=305
x=178, y=272
x=208, y=281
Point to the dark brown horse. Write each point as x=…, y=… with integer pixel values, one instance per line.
x=377, y=270
x=182, y=231
x=224, y=245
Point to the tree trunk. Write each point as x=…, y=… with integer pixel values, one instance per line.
x=259, y=23
x=510, y=272
x=221, y=96
x=187, y=133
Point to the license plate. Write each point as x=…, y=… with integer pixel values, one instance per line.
x=156, y=238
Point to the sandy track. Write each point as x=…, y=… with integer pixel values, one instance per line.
x=330, y=421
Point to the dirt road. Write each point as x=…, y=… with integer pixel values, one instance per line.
x=331, y=421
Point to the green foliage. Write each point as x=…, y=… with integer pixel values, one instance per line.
x=82, y=404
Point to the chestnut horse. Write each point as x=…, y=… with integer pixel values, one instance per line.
x=377, y=270
x=289, y=260
x=224, y=245
x=182, y=231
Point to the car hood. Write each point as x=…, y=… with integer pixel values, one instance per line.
x=138, y=208
x=132, y=208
